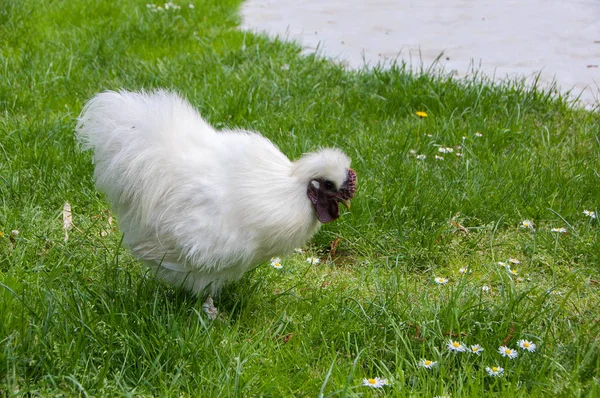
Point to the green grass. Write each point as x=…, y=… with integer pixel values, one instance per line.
x=82, y=317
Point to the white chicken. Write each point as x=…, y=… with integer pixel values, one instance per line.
x=200, y=206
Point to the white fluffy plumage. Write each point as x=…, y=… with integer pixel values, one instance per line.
x=200, y=206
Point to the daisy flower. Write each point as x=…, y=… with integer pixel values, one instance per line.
x=456, y=346
x=276, y=262
x=375, y=383
x=439, y=157
x=421, y=157
x=412, y=152
x=445, y=150
x=427, y=364
x=485, y=288
x=313, y=260
x=192, y=6
x=503, y=264
x=172, y=5
x=589, y=213
x=495, y=371
x=478, y=135
x=476, y=349
x=527, y=345
x=298, y=250
x=459, y=154
x=421, y=114
x=514, y=261
x=507, y=352
x=527, y=224
x=513, y=271
x=560, y=230
x=441, y=281
x=464, y=270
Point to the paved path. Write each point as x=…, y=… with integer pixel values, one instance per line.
x=560, y=39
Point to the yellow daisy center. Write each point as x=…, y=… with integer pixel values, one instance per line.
x=372, y=381
x=455, y=344
x=495, y=368
x=475, y=348
x=507, y=351
x=428, y=362
x=526, y=344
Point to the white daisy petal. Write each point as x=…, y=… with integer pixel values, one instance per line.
x=476, y=349
x=507, y=352
x=527, y=224
x=495, y=371
x=527, y=345
x=455, y=346
x=427, y=364
x=376, y=382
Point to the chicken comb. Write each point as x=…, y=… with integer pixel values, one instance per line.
x=347, y=190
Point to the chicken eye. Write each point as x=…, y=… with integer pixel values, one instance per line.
x=329, y=185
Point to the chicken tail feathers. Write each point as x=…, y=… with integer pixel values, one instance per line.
x=138, y=139
x=112, y=119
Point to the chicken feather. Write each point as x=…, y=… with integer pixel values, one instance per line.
x=201, y=206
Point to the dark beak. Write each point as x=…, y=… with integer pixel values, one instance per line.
x=345, y=202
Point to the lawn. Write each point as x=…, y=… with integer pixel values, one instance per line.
x=434, y=250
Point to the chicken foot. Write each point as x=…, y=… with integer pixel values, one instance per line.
x=209, y=308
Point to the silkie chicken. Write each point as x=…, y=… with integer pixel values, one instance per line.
x=200, y=206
